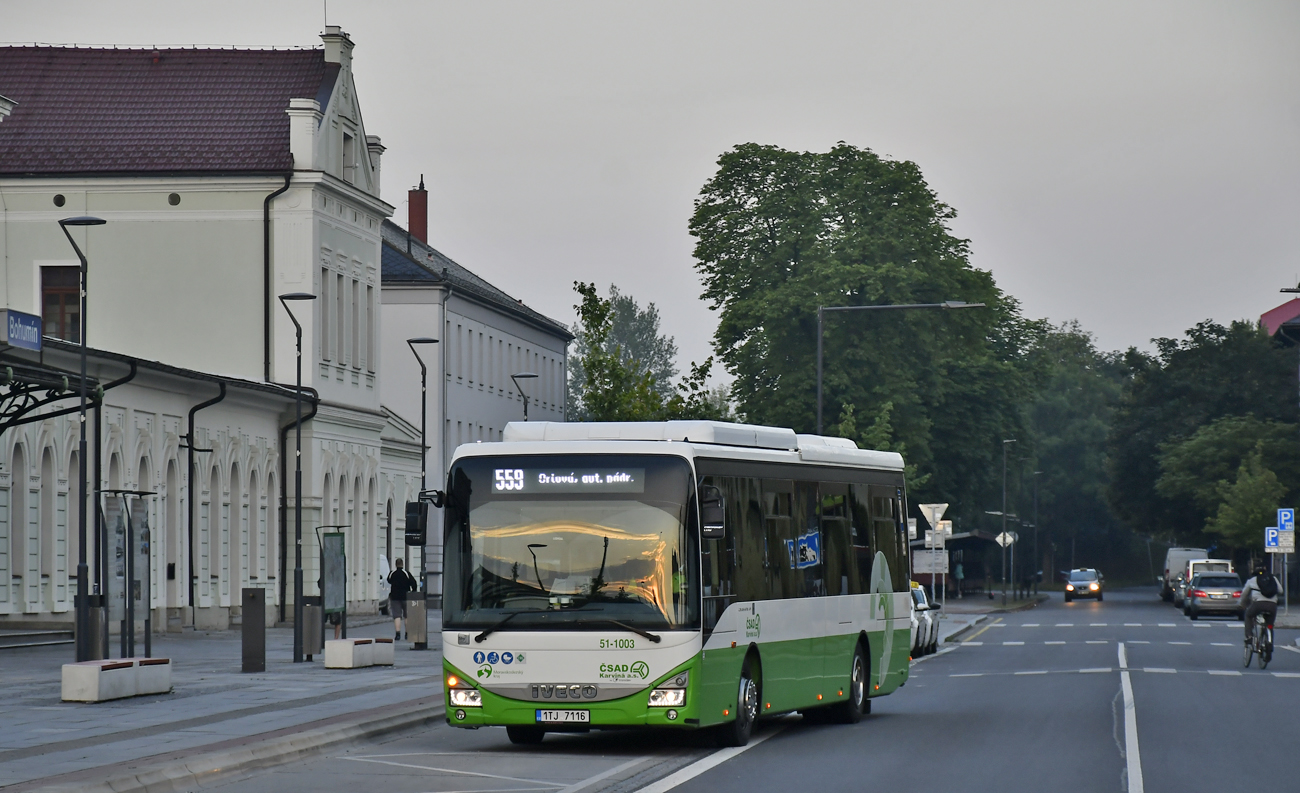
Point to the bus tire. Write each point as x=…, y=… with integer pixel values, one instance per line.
x=856, y=706
x=525, y=734
x=749, y=692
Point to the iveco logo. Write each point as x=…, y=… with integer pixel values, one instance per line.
x=563, y=692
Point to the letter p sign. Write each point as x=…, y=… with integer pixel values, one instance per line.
x=1270, y=537
x=1286, y=519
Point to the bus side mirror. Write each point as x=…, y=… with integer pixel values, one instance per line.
x=712, y=513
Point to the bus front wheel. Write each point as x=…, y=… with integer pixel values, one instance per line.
x=748, y=694
x=856, y=706
x=525, y=734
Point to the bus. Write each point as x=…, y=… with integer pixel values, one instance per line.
x=680, y=574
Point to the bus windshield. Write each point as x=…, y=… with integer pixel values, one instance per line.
x=571, y=541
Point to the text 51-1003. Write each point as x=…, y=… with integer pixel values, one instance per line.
x=618, y=644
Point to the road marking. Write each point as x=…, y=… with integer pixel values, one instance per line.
x=1096, y=641
x=700, y=766
x=1043, y=672
x=1286, y=674
x=1224, y=672
x=1030, y=625
x=974, y=644
x=618, y=769
x=1132, y=755
x=541, y=782
x=1096, y=625
x=1007, y=644
x=1288, y=647
x=1200, y=625
x=1222, y=644
x=1094, y=671
x=1132, y=625
x=998, y=624
x=1053, y=642
x=981, y=630
x=1135, y=641
x=1065, y=624
x=1184, y=643
x=1159, y=670
x=1165, y=625
x=969, y=674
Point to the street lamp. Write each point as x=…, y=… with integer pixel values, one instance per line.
x=297, y=479
x=821, y=310
x=1037, y=558
x=424, y=454
x=83, y=574
x=523, y=376
x=1004, y=518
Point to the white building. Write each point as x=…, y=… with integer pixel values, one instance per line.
x=226, y=177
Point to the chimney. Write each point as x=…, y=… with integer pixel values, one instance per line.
x=376, y=150
x=417, y=222
x=338, y=46
x=7, y=106
x=304, y=117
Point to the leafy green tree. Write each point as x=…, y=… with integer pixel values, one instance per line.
x=1247, y=504
x=1212, y=373
x=634, y=332
x=1194, y=470
x=780, y=233
x=616, y=387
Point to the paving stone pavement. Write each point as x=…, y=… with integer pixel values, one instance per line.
x=212, y=700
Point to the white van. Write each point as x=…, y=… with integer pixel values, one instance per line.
x=1175, y=564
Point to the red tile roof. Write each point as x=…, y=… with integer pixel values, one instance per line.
x=123, y=111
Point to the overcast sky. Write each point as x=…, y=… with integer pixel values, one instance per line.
x=1132, y=165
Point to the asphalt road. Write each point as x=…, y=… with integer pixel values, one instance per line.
x=1032, y=701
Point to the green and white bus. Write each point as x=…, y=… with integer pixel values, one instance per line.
x=683, y=574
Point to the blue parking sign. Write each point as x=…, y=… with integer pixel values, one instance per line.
x=1270, y=537
x=1286, y=519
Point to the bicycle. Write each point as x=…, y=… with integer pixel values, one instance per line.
x=1260, y=643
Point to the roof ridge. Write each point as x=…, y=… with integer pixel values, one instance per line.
x=154, y=48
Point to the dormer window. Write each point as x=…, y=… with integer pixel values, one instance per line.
x=61, y=302
x=349, y=158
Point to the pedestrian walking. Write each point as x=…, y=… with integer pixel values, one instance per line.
x=959, y=574
x=399, y=583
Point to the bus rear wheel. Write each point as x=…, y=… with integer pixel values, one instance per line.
x=748, y=694
x=525, y=734
x=856, y=706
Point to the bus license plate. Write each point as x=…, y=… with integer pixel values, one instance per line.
x=564, y=716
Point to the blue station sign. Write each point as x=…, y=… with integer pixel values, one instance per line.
x=19, y=329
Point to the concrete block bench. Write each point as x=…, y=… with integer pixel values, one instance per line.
x=349, y=653
x=116, y=678
x=382, y=652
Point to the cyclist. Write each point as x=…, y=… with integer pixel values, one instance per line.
x=1259, y=596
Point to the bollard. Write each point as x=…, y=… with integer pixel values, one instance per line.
x=98, y=618
x=313, y=631
x=417, y=620
x=254, y=629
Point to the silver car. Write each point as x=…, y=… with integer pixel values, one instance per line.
x=1213, y=593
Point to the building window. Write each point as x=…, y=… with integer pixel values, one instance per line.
x=325, y=313
x=349, y=158
x=356, y=324
x=371, y=313
x=340, y=318
x=61, y=302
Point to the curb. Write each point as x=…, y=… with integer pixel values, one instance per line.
x=955, y=636
x=182, y=771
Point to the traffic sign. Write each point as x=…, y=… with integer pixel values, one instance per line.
x=933, y=513
x=945, y=526
x=931, y=562
x=911, y=528
x=1271, y=539
x=1286, y=519
x=934, y=539
x=1006, y=538
x=1283, y=541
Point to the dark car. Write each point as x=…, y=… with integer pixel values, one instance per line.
x=1213, y=592
x=1083, y=583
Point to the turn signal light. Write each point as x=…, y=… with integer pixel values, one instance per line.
x=726, y=712
x=452, y=681
x=819, y=696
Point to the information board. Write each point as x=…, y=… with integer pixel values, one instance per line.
x=334, y=573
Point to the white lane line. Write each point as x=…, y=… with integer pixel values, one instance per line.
x=1132, y=755
x=1286, y=674
x=1042, y=672
x=1097, y=670
x=542, y=783
x=1183, y=643
x=1065, y=624
x=1053, y=642
x=1200, y=625
x=700, y=766
x=1096, y=641
x=618, y=769
x=1010, y=644
x=1159, y=670
x=1222, y=644
x=1030, y=625
x=969, y=674
x=1132, y=625
x=973, y=644
x=1224, y=672
x=1096, y=624
x=1135, y=641
x=1288, y=647
x=1165, y=625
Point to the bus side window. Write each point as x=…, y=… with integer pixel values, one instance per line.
x=903, y=573
x=778, y=520
x=884, y=531
x=751, y=577
x=837, y=559
x=863, y=551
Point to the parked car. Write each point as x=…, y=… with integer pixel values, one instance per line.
x=1214, y=592
x=925, y=623
x=1175, y=564
x=1084, y=582
x=1190, y=568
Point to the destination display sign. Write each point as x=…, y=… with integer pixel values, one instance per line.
x=579, y=480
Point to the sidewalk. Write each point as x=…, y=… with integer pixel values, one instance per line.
x=960, y=614
x=214, y=711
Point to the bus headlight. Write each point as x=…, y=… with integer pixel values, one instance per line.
x=466, y=698
x=667, y=697
x=671, y=693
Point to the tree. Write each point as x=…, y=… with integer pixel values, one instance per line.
x=634, y=332
x=1212, y=373
x=1193, y=470
x=616, y=387
x=780, y=233
x=1247, y=505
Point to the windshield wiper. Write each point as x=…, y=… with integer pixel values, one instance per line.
x=638, y=631
x=492, y=629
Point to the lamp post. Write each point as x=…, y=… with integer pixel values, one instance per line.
x=297, y=478
x=821, y=310
x=424, y=454
x=1004, y=517
x=1037, y=558
x=83, y=575
x=523, y=376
